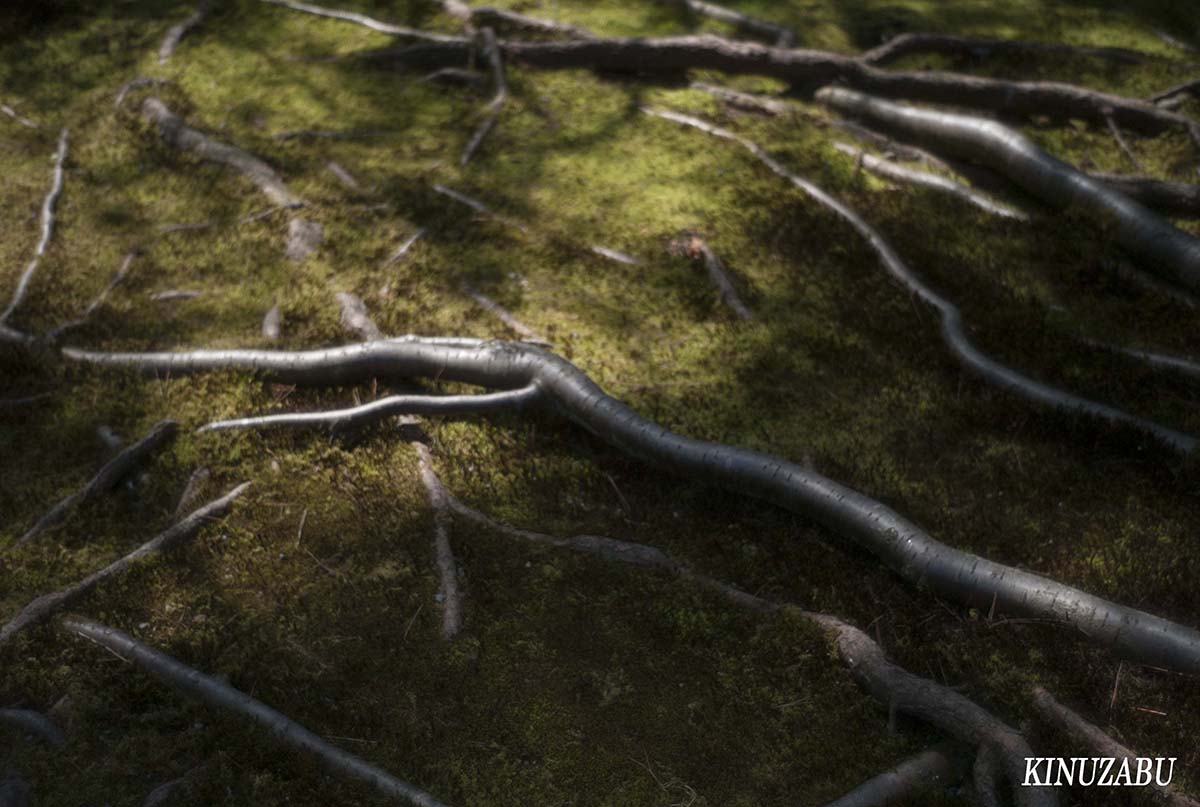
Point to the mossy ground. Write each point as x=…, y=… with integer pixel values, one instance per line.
x=575, y=683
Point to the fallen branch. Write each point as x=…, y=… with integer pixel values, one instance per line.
x=405, y=247
x=977, y=47
x=895, y=688
x=1071, y=724
x=179, y=135
x=695, y=247
x=35, y=723
x=119, y=278
x=42, y=608
x=953, y=332
x=355, y=317
x=449, y=595
x=778, y=35
x=181, y=29
x=914, y=554
x=107, y=478
x=364, y=20
x=889, y=170
x=504, y=315
x=931, y=770
x=367, y=414
x=492, y=111
x=174, y=295
x=1163, y=247
x=47, y=219
x=215, y=692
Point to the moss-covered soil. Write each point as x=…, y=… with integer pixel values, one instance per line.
x=575, y=683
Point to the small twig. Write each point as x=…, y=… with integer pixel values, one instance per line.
x=474, y=204
x=56, y=185
x=12, y=113
x=744, y=100
x=118, y=279
x=343, y=176
x=450, y=596
x=614, y=255
x=405, y=247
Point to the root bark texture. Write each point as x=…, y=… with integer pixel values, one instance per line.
x=47, y=228
x=216, y=693
x=954, y=333
x=1161, y=246
x=175, y=536
x=108, y=477
x=1175, y=199
x=956, y=575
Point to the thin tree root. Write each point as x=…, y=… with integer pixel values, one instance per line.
x=34, y=723
x=615, y=255
x=405, y=247
x=744, y=100
x=107, y=478
x=449, y=595
x=494, y=107
x=1191, y=87
x=778, y=35
x=1160, y=245
x=178, y=31
x=953, y=332
x=1188, y=368
x=977, y=47
x=889, y=170
x=214, y=692
x=915, y=555
x=47, y=228
x=122, y=272
x=1123, y=145
x=696, y=247
x=364, y=20
x=179, y=533
x=1053, y=713
x=501, y=313
x=19, y=118
x=191, y=490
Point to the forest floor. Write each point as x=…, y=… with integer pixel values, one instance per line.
x=574, y=682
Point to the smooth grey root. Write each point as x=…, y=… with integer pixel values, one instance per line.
x=954, y=334
x=931, y=770
x=107, y=478
x=1174, y=199
x=284, y=730
x=914, y=554
x=448, y=590
x=34, y=723
x=179, y=533
x=894, y=688
x=1162, y=247
x=362, y=19
x=47, y=228
x=177, y=32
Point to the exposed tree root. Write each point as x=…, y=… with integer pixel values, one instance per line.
x=137, y=83
x=696, y=247
x=615, y=255
x=462, y=198
x=1175, y=199
x=977, y=47
x=119, y=278
x=362, y=19
x=179, y=135
x=958, y=576
x=456, y=75
x=931, y=770
x=107, y=478
x=494, y=107
x=355, y=317
x=1157, y=361
x=449, y=596
x=1150, y=283
x=778, y=35
x=191, y=490
x=176, y=535
x=368, y=414
x=1123, y=145
x=178, y=31
x=1191, y=87
x=1164, y=248
x=810, y=69
x=14, y=790
x=501, y=313
x=343, y=176
x=1071, y=724
x=34, y=723
x=272, y=321
x=12, y=113
x=215, y=692
x=895, y=688
x=405, y=247
x=744, y=100
x=47, y=230
x=889, y=170
x=174, y=295
x=953, y=332
x=303, y=238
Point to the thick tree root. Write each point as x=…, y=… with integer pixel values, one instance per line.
x=978, y=47
x=285, y=731
x=953, y=332
x=34, y=723
x=1164, y=248
x=405, y=247
x=176, y=535
x=178, y=31
x=494, y=107
x=890, y=170
x=695, y=247
x=47, y=229
x=502, y=18
x=1071, y=724
x=1175, y=199
x=956, y=575
x=122, y=272
x=931, y=770
x=778, y=35
x=362, y=19
x=179, y=135
x=501, y=313
x=449, y=596
x=355, y=318
x=368, y=414
x=810, y=69
x=106, y=478
x=896, y=689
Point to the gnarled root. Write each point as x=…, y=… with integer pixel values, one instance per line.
x=287, y=732
x=914, y=554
